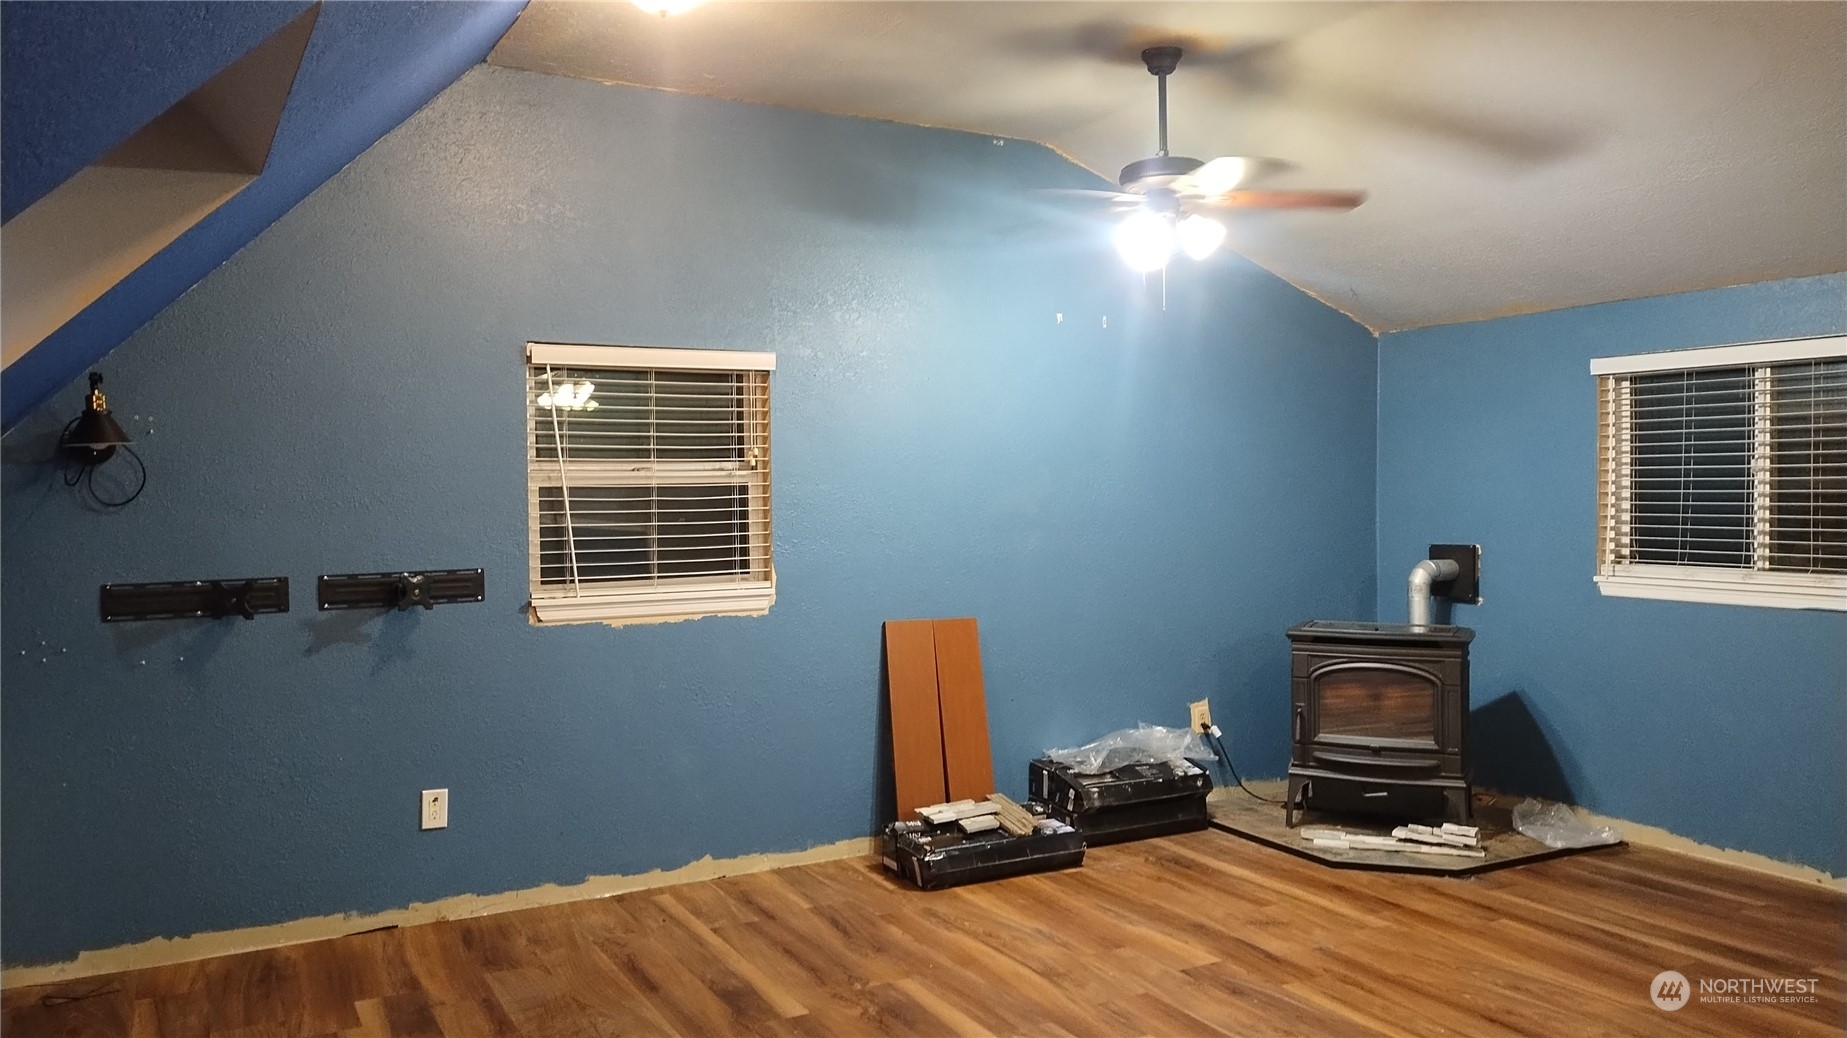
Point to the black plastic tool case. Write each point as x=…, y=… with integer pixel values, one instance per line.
x=1130, y=803
x=935, y=856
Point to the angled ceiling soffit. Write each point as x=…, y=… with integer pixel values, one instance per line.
x=66, y=250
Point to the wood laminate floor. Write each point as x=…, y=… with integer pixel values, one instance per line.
x=1202, y=934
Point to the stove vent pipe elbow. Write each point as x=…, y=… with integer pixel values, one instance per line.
x=1422, y=576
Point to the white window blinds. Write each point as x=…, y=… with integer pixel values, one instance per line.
x=648, y=487
x=1724, y=474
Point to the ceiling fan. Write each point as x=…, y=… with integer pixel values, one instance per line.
x=1169, y=196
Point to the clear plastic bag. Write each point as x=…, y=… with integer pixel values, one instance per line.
x=1142, y=744
x=1555, y=826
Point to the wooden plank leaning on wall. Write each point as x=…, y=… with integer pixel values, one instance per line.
x=916, y=725
x=968, y=761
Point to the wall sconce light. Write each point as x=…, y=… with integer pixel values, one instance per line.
x=91, y=439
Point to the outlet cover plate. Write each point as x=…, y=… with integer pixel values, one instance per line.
x=434, y=809
x=1201, y=715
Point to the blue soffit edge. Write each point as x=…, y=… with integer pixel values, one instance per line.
x=77, y=78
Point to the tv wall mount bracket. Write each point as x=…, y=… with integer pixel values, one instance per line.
x=187, y=599
x=406, y=589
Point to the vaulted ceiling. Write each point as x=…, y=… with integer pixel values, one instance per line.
x=1518, y=156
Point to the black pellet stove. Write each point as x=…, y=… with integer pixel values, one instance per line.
x=1380, y=712
x=1381, y=718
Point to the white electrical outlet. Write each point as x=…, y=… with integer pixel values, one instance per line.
x=435, y=809
x=1202, y=715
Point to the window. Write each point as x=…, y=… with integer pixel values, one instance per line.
x=1724, y=474
x=648, y=482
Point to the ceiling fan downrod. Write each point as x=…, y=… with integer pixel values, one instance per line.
x=1161, y=62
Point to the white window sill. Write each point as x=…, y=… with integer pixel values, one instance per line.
x=1727, y=587
x=642, y=606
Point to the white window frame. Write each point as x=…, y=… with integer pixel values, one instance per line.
x=683, y=597
x=1747, y=587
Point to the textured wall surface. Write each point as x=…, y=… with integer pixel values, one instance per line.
x=79, y=77
x=1134, y=509
x=1721, y=723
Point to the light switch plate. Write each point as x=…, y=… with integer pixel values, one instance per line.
x=435, y=809
x=1202, y=715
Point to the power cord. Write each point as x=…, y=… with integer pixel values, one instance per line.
x=52, y=1001
x=1215, y=739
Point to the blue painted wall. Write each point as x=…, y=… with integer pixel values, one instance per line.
x=1721, y=723
x=1135, y=512
x=77, y=78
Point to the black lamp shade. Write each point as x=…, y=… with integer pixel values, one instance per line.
x=97, y=430
x=91, y=440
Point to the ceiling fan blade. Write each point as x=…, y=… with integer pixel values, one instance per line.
x=1227, y=172
x=1288, y=199
x=1112, y=200
x=1087, y=194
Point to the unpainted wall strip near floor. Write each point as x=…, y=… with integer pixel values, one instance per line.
x=162, y=951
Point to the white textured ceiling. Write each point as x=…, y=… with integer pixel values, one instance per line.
x=1518, y=156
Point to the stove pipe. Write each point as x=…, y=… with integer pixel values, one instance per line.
x=1422, y=575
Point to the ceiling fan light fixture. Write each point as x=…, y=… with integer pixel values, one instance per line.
x=1200, y=236
x=1145, y=240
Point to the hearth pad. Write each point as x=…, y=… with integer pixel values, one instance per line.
x=1237, y=813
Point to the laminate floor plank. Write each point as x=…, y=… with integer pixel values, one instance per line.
x=816, y=887
x=1198, y=934
x=666, y=984
x=283, y=987
x=1059, y=969
x=954, y=1020
x=764, y=895
x=541, y=1007
x=595, y=982
x=717, y=903
x=443, y=966
x=1647, y=866
x=1174, y=912
x=1254, y=1007
x=1174, y=994
x=774, y=995
x=1356, y=978
x=1111, y=926
x=410, y=1015
x=1681, y=921
x=482, y=1017
x=189, y=1013
x=1610, y=923
x=1571, y=931
x=323, y=980
x=101, y=1016
x=818, y=968
x=1014, y=984
x=1154, y=1017
x=144, y=1021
